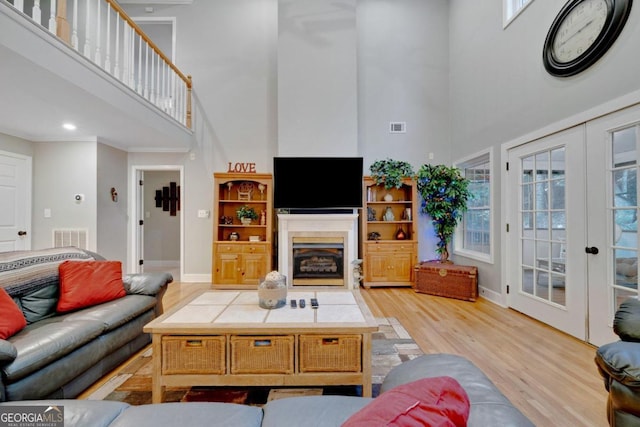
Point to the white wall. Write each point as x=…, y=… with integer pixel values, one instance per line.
x=112, y=216
x=61, y=170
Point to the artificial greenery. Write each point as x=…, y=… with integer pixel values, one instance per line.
x=390, y=172
x=245, y=211
x=444, y=194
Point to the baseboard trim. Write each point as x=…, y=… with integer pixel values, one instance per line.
x=196, y=278
x=493, y=296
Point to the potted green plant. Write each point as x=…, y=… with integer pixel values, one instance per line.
x=444, y=193
x=246, y=214
x=390, y=172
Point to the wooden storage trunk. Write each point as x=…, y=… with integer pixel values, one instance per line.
x=262, y=354
x=193, y=355
x=447, y=280
x=330, y=353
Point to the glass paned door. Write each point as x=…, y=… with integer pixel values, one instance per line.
x=546, y=231
x=612, y=160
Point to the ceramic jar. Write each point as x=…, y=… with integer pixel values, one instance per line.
x=272, y=291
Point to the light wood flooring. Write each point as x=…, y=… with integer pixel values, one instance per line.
x=550, y=376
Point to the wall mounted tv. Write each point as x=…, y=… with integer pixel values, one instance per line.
x=310, y=183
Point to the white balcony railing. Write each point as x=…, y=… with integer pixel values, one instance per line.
x=102, y=32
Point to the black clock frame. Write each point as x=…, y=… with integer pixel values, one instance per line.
x=617, y=14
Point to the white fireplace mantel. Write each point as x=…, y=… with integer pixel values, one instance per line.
x=344, y=225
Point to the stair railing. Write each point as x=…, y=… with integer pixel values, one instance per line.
x=103, y=32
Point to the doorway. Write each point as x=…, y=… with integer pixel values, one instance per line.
x=15, y=193
x=158, y=230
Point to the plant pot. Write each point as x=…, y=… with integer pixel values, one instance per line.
x=245, y=221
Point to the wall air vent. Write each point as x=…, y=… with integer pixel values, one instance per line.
x=398, y=127
x=78, y=237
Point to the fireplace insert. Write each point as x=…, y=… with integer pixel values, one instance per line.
x=318, y=263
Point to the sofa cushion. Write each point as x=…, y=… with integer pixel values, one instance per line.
x=620, y=360
x=113, y=314
x=438, y=401
x=87, y=283
x=12, y=319
x=41, y=343
x=317, y=411
x=626, y=322
x=190, y=414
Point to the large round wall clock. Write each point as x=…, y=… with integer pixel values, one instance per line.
x=581, y=33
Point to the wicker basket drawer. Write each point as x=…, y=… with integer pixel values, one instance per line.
x=447, y=280
x=262, y=354
x=193, y=355
x=330, y=353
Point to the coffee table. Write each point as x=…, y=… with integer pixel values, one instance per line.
x=223, y=338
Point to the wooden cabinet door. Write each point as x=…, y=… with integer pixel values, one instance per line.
x=253, y=268
x=377, y=267
x=227, y=268
x=402, y=267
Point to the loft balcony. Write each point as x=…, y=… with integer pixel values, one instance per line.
x=87, y=62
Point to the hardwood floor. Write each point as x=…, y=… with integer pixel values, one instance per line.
x=550, y=376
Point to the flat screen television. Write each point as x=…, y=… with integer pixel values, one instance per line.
x=313, y=183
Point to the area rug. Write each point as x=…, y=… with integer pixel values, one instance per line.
x=391, y=345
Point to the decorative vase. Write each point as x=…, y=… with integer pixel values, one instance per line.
x=388, y=197
x=245, y=221
x=234, y=236
x=388, y=214
x=400, y=234
x=272, y=291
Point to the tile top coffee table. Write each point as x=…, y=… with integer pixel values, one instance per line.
x=223, y=338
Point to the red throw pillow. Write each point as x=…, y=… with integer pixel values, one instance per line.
x=438, y=401
x=12, y=320
x=87, y=283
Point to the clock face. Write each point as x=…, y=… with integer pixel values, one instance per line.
x=581, y=33
x=579, y=30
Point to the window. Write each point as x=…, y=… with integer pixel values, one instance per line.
x=512, y=8
x=473, y=236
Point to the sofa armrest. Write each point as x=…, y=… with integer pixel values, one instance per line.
x=8, y=351
x=626, y=322
x=152, y=284
x=620, y=361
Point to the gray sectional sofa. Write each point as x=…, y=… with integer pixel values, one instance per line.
x=60, y=355
x=488, y=406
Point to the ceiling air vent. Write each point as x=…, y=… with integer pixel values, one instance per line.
x=397, y=127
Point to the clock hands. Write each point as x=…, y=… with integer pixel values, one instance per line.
x=565, y=41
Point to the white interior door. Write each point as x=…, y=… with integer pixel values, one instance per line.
x=613, y=142
x=15, y=208
x=546, y=269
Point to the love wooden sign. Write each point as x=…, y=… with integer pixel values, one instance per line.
x=242, y=167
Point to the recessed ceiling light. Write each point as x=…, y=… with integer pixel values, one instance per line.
x=69, y=126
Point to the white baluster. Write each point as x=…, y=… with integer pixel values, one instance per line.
x=36, y=12
x=146, y=71
x=98, y=57
x=132, y=59
x=116, y=68
x=139, y=64
x=74, y=31
x=107, y=58
x=53, y=26
x=19, y=4
x=87, y=38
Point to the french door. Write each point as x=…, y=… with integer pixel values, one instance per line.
x=547, y=230
x=613, y=142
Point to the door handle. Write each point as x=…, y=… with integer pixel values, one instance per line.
x=22, y=233
x=592, y=250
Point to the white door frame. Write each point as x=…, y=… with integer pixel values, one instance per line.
x=134, y=209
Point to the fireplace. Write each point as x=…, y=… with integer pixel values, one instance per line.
x=317, y=261
x=318, y=249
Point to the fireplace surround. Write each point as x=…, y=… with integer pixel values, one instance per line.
x=329, y=237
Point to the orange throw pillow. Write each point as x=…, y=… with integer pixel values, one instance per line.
x=87, y=283
x=12, y=320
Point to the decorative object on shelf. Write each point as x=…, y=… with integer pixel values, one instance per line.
x=371, y=214
x=407, y=214
x=388, y=214
x=400, y=234
x=272, y=291
x=245, y=189
x=246, y=214
x=444, y=194
x=374, y=235
x=229, y=186
x=263, y=217
x=226, y=220
x=390, y=172
x=234, y=236
x=261, y=188
x=168, y=198
x=388, y=197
